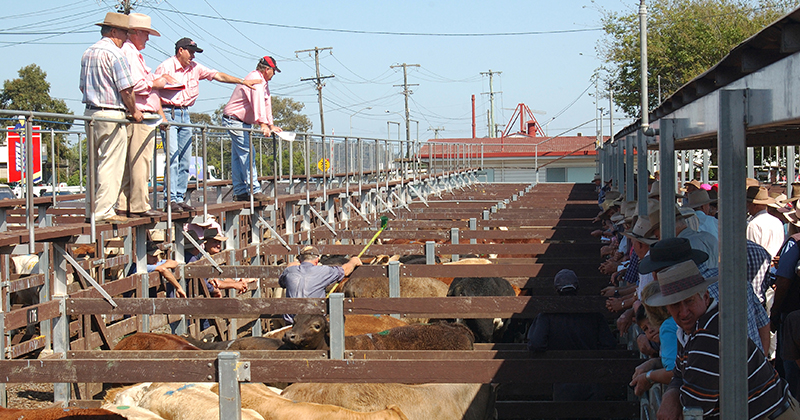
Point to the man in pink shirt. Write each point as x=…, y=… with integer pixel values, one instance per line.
x=246, y=108
x=141, y=136
x=176, y=99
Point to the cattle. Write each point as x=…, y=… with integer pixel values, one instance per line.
x=186, y=401
x=378, y=287
x=486, y=330
x=245, y=343
x=54, y=413
x=311, y=332
x=132, y=412
x=274, y=407
x=418, y=402
x=152, y=341
x=365, y=324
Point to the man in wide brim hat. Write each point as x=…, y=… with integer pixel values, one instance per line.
x=763, y=228
x=115, y=20
x=669, y=252
x=678, y=282
x=684, y=293
x=794, y=197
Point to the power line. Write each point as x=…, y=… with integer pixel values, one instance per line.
x=353, y=31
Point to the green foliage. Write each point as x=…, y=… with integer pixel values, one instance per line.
x=685, y=38
x=31, y=92
x=286, y=113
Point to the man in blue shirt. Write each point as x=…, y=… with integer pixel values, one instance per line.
x=305, y=278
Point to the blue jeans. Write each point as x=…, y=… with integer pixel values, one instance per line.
x=240, y=157
x=180, y=145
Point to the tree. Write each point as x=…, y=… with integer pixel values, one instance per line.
x=286, y=113
x=31, y=92
x=685, y=38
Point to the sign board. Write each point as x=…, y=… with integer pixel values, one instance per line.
x=16, y=153
x=323, y=165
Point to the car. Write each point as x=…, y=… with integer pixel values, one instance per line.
x=6, y=193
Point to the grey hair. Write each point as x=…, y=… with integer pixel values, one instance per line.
x=260, y=66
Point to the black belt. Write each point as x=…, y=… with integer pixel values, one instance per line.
x=231, y=117
x=173, y=107
x=102, y=108
x=780, y=410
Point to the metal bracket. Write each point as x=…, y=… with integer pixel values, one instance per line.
x=353, y=206
x=424, y=201
x=262, y=222
x=322, y=219
x=400, y=200
x=84, y=274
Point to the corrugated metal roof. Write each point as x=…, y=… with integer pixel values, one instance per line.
x=517, y=146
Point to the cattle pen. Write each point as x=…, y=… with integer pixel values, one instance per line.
x=437, y=208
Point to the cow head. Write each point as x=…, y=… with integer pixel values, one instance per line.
x=309, y=332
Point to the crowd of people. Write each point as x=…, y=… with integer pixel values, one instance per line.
x=116, y=84
x=669, y=289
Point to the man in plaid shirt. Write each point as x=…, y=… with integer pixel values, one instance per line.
x=107, y=89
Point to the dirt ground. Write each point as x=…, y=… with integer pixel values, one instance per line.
x=29, y=395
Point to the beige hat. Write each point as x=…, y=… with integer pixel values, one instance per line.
x=655, y=191
x=795, y=194
x=694, y=183
x=654, y=215
x=698, y=198
x=751, y=182
x=759, y=195
x=641, y=232
x=141, y=22
x=115, y=20
x=678, y=282
x=793, y=217
x=779, y=200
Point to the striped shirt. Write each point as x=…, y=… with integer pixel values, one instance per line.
x=104, y=73
x=696, y=371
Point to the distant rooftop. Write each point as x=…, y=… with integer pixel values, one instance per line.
x=521, y=146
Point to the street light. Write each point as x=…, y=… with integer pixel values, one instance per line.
x=353, y=115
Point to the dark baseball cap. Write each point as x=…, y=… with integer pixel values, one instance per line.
x=565, y=279
x=269, y=61
x=188, y=44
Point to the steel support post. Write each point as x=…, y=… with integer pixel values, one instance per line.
x=751, y=163
x=641, y=164
x=44, y=294
x=454, y=240
x=666, y=149
x=430, y=252
x=61, y=391
x=629, y=173
x=336, y=311
x=733, y=257
x=706, y=164
x=790, y=169
x=231, y=371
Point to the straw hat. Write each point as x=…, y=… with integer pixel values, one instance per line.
x=751, y=182
x=678, y=282
x=793, y=217
x=115, y=20
x=640, y=232
x=795, y=194
x=698, y=198
x=669, y=252
x=779, y=199
x=694, y=183
x=759, y=195
x=654, y=214
x=141, y=22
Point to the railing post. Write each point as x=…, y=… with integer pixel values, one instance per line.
x=454, y=241
x=336, y=311
x=430, y=252
x=231, y=371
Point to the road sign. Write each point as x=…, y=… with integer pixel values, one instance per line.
x=16, y=153
x=323, y=165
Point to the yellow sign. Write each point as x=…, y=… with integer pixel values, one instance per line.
x=323, y=165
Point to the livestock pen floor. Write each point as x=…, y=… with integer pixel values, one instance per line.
x=546, y=229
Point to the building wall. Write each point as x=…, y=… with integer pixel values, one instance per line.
x=579, y=168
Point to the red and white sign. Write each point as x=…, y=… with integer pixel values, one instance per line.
x=16, y=153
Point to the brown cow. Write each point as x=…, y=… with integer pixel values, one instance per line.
x=274, y=407
x=152, y=341
x=365, y=324
x=55, y=413
x=310, y=332
x=186, y=401
x=378, y=287
x=418, y=402
x=245, y=343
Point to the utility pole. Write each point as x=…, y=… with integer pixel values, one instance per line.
x=318, y=80
x=406, y=92
x=490, y=73
x=436, y=131
x=125, y=6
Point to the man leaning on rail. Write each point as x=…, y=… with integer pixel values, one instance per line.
x=246, y=108
x=695, y=380
x=107, y=88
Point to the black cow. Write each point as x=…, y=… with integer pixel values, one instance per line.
x=486, y=330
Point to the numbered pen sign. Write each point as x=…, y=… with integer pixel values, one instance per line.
x=17, y=156
x=33, y=319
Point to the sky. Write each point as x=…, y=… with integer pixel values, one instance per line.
x=545, y=53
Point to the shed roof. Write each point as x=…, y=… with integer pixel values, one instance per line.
x=517, y=146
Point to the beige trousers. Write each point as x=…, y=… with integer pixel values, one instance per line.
x=110, y=142
x=134, y=194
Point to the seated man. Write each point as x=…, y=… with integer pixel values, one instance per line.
x=571, y=331
x=695, y=380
